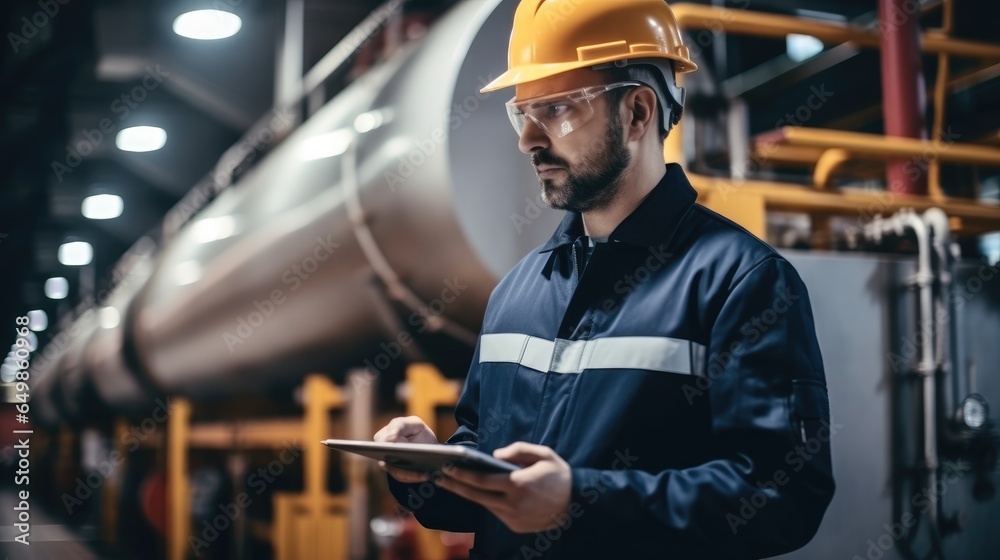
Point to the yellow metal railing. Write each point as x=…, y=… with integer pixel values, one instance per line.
x=747, y=202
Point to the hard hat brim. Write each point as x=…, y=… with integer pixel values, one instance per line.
x=532, y=72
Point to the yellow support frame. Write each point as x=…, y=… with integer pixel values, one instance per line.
x=308, y=526
x=747, y=202
x=428, y=389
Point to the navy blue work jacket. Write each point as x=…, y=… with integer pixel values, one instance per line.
x=680, y=377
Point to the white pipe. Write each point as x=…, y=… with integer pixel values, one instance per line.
x=926, y=368
x=937, y=220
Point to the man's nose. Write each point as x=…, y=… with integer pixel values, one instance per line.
x=532, y=138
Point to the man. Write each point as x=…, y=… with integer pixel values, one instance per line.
x=653, y=367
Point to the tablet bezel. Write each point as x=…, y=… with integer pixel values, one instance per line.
x=423, y=457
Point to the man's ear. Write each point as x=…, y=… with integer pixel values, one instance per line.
x=642, y=104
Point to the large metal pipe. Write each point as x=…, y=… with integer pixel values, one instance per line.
x=375, y=232
x=902, y=90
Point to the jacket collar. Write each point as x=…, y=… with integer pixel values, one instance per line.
x=653, y=222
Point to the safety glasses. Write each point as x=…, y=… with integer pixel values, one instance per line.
x=560, y=113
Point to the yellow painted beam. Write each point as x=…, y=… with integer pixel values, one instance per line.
x=760, y=24
x=178, y=485
x=864, y=145
x=970, y=218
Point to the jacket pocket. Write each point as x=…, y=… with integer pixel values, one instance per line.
x=810, y=406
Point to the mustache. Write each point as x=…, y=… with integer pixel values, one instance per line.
x=544, y=157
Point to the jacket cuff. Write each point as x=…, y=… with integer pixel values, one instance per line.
x=585, y=503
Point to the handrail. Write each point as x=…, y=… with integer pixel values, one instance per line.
x=866, y=145
x=968, y=217
x=759, y=24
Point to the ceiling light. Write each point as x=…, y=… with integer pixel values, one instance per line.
x=56, y=288
x=207, y=25
x=7, y=373
x=76, y=253
x=109, y=317
x=141, y=139
x=801, y=47
x=102, y=206
x=38, y=320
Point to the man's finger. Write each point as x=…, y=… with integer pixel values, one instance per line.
x=400, y=429
x=404, y=475
x=490, y=500
x=492, y=482
x=524, y=453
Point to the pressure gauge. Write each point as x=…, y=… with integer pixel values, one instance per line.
x=975, y=411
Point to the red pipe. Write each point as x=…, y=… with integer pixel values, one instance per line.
x=903, y=93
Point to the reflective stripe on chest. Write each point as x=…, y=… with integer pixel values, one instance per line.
x=654, y=353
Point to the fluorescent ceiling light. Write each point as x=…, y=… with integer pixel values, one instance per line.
x=76, y=253
x=801, y=47
x=102, y=206
x=141, y=139
x=816, y=14
x=214, y=229
x=207, y=25
x=56, y=288
x=326, y=145
x=38, y=320
x=109, y=317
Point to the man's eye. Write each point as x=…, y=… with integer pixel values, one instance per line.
x=556, y=110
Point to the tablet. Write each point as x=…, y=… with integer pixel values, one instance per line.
x=423, y=457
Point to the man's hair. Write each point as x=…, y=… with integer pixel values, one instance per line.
x=646, y=76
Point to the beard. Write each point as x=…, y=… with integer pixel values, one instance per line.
x=594, y=183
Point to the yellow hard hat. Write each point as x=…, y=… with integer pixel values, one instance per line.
x=555, y=36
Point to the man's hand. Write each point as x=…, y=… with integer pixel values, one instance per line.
x=408, y=429
x=527, y=500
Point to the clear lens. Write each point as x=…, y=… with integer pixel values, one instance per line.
x=560, y=113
